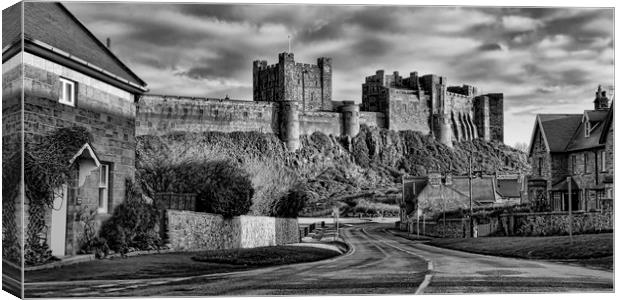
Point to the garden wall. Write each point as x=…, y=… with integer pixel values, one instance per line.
x=196, y=230
x=454, y=228
x=555, y=223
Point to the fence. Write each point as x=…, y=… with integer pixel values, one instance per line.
x=176, y=201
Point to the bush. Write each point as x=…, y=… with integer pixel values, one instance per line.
x=292, y=203
x=221, y=187
x=132, y=224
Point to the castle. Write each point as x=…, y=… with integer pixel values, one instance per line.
x=293, y=99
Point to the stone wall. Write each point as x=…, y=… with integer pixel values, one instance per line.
x=158, y=114
x=329, y=123
x=556, y=223
x=407, y=111
x=202, y=231
x=372, y=119
x=108, y=113
x=454, y=228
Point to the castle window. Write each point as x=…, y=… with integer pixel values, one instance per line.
x=67, y=92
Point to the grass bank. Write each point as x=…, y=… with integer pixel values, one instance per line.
x=180, y=264
x=592, y=250
x=265, y=256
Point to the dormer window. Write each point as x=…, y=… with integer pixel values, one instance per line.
x=587, y=129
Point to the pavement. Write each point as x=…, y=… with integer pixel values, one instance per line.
x=377, y=262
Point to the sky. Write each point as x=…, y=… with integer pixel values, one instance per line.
x=544, y=60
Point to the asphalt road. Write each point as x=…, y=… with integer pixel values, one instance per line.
x=378, y=263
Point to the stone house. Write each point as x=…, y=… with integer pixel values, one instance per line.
x=573, y=148
x=70, y=78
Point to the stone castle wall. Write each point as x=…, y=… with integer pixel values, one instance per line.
x=158, y=114
x=189, y=230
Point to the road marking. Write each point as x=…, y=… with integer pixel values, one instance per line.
x=429, y=264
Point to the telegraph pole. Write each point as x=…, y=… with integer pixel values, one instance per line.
x=471, y=208
x=570, y=209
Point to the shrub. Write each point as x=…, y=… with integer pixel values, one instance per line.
x=132, y=224
x=221, y=187
x=292, y=203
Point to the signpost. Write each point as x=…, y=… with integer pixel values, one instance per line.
x=336, y=214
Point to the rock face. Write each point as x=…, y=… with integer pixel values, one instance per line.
x=336, y=171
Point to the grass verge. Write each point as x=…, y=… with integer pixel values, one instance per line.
x=265, y=256
x=179, y=264
x=593, y=250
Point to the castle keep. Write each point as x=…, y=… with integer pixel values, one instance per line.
x=427, y=104
x=293, y=99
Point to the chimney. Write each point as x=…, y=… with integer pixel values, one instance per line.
x=108, y=42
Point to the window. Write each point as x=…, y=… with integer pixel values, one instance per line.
x=587, y=129
x=603, y=162
x=67, y=92
x=540, y=166
x=574, y=163
x=104, y=188
x=585, y=162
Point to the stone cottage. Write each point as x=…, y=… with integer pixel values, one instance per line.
x=70, y=78
x=575, y=148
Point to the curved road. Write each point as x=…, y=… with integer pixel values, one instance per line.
x=378, y=263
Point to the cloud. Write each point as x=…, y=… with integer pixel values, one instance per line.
x=542, y=59
x=520, y=23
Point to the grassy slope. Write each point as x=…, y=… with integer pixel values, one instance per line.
x=369, y=173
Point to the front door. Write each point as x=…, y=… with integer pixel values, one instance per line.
x=59, y=223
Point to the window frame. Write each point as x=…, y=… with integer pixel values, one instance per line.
x=102, y=204
x=62, y=96
x=603, y=158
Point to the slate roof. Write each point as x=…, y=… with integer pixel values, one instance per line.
x=579, y=141
x=509, y=188
x=52, y=24
x=11, y=24
x=558, y=129
x=607, y=125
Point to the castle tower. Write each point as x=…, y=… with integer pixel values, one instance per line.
x=350, y=118
x=309, y=84
x=601, y=101
x=445, y=130
x=289, y=124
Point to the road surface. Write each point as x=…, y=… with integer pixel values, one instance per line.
x=378, y=263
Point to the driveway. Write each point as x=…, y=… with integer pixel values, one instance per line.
x=378, y=263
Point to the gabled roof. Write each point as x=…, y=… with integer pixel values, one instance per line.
x=556, y=130
x=52, y=28
x=595, y=115
x=579, y=141
x=86, y=152
x=11, y=24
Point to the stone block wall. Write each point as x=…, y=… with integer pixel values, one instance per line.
x=407, y=111
x=108, y=113
x=158, y=114
x=203, y=231
x=372, y=119
x=454, y=228
x=325, y=122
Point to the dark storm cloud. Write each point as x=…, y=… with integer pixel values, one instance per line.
x=226, y=65
x=490, y=47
